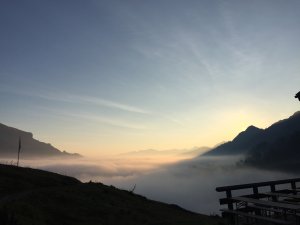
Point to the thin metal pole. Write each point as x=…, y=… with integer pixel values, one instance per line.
x=19, y=149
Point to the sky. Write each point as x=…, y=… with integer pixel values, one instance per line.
x=107, y=76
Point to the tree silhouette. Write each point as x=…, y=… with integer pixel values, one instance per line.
x=298, y=95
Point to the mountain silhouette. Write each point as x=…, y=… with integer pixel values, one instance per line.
x=30, y=147
x=276, y=147
x=240, y=144
x=282, y=154
x=252, y=137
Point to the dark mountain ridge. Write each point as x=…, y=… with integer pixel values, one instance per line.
x=276, y=147
x=253, y=136
x=240, y=144
x=30, y=147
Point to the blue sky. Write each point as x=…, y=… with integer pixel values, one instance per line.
x=111, y=76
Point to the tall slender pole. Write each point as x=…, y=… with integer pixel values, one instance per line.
x=19, y=149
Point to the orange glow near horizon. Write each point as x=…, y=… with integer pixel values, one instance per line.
x=219, y=127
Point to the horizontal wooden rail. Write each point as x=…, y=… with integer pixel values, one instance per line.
x=255, y=185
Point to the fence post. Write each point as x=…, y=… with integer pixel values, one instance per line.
x=293, y=186
x=229, y=195
x=230, y=207
x=273, y=189
x=255, y=192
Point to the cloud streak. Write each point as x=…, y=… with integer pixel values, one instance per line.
x=79, y=99
x=116, y=122
x=109, y=104
x=92, y=101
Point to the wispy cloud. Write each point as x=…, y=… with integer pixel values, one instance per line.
x=109, y=121
x=115, y=122
x=80, y=99
x=95, y=101
x=247, y=59
x=109, y=104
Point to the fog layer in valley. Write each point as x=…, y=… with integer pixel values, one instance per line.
x=189, y=183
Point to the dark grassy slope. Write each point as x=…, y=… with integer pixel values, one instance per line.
x=35, y=197
x=16, y=179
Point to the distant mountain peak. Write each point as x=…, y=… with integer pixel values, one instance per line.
x=248, y=133
x=296, y=114
x=252, y=128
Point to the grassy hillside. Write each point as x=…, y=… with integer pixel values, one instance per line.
x=35, y=197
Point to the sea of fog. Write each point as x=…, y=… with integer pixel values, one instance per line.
x=189, y=183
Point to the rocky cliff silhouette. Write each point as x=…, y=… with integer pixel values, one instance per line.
x=31, y=147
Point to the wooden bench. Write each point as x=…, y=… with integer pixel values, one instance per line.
x=269, y=219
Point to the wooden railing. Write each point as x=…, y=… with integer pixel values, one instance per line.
x=254, y=187
x=255, y=192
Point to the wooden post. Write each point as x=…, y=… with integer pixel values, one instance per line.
x=229, y=195
x=255, y=192
x=230, y=207
x=273, y=189
x=293, y=186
